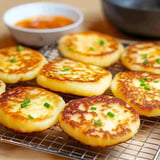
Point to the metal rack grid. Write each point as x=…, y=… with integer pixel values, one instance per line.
x=145, y=145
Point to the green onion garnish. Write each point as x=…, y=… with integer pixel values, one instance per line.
x=27, y=101
x=158, y=60
x=91, y=48
x=147, y=88
x=142, y=84
x=144, y=55
x=143, y=79
x=20, y=48
x=70, y=48
x=50, y=75
x=98, y=123
x=93, y=108
x=65, y=69
x=13, y=59
x=47, y=105
x=156, y=81
x=23, y=105
x=145, y=61
x=30, y=117
x=110, y=114
x=101, y=42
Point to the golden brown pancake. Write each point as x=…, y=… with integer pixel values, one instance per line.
x=91, y=47
x=20, y=64
x=73, y=77
x=142, y=56
x=29, y=109
x=99, y=120
x=141, y=90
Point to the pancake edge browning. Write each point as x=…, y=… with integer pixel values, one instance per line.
x=104, y=59
x=73, y=86
x=13, y=116
x=119, y=90
x=16, y=75
x=97, y=136
x=147, y=63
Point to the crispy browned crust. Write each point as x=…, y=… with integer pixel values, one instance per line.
x=13, y=116
x=80, y=79
x=79, y=72
x=142, y=56
x=26, y=66
x=85, y=48
x=124, y=125
x=141, y=94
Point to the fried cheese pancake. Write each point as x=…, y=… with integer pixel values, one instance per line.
x=91, y=47
x=29, y=109
x=73, y=77
x=19, y=63
x=99, y=120
x=2, y=87
x=142, y=56
x=141, y=90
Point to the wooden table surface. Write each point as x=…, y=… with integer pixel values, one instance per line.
x=93, y=20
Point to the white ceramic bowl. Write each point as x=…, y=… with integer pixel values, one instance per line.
x=41, y=37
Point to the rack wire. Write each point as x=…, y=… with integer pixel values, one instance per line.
x=145, y=145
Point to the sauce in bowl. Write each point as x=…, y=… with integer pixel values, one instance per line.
x=44, y=22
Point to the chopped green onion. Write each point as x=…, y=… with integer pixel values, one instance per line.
x=30, y=116
x=144, y=55
x=142, y=84
x=147, y=88
x=20, y=48
x=47, y=105
x=101, y=42
x=93, y=108
x=65, y=69
x=110, y=114
x=91, y=48
x=13, y=59
x=70, y=48
x=158, y=60
x=145, y=78
x=23, y=105
x=142, y=80
x=145, y=61
x=98, y=123
x=156, y=81
x=27, y=101
x=50, y=75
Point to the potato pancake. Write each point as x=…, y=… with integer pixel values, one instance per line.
x=30, y=109
x=99, y=120
x=91, y=47
x=20, y=64
x=73, y=77
x=141, y=90
x=142, y=56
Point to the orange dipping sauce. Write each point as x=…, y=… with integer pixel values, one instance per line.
x=44, y=22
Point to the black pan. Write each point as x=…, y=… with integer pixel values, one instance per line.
x=139, y=17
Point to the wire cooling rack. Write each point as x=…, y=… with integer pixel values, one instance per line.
x=145, y=145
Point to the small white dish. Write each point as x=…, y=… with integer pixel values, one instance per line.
x=41, y=37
